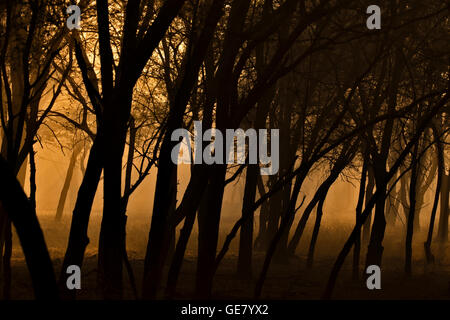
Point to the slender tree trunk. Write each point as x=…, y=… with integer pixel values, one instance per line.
x=262, y=226
x=359, y=206
x=196, y=194
x=5, y=223
x=193, y=198
x=349, y=243
x=345, y=157
x=23, y=216
x=288, y=214
x=320, y=194
x=263, y=217
x=244, y=264
x=423, y=181
x=282, y=252
x=6, y=237
x=66, y=184
x=32, y=178
x=412, y=209
x=420, y=192
x=125, y=198
x=180, y=250
x=391, y=216
x=295, y=241
x=208, y=232
x=443, y=216
x=273, y=220
x=441, y=169
x=404, y=194
x=78, y=237
x=315, y=234
x=369, y=193
x=375, y=248
x=158, y=243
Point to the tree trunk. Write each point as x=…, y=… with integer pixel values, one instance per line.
x=391, y=216
x=66, y=185
x=208, y=232
x=282, y=252
x=443, y=217
x=344, y=158
x=158, y=241
x=78, y=238
x=359, y=206
x=320, y=194
x=423, y=181
x=369, y=194
x=273, y=219
x=441, y=169
x=196, y=194
x=180, y=250
x=112, y=233
x=404, y=194
x=412, y=209
x=23, y=216
x=32, y=178
x=263, y=217
x=315, y=234
x=244, y=264
x=375, y=248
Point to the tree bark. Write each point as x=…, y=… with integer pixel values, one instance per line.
x=78, y=237
x=375, y=248
x=443, y=216
x=32, y=178
x=359, y=206
x=208, y=232
x=441, y=169
x=244, y=264
x=412, y=210
x=66, y=184
x=23, y=216
x=263, y=218
x=180, y=250
x=369, y=194
x=315, y=234
x=112, y=233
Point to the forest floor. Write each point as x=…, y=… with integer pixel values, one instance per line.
x=290, y=280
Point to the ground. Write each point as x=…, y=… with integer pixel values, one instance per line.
x=288, y=280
